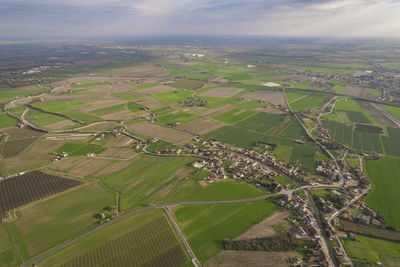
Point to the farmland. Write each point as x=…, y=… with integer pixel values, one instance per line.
x=301, y=101
x=234, y=115
x=6, y=121
x=105, y=236
x=205, y=226
x=80, y=149
x=358, y=139
x=18, y=140
x=384, y=174
x=46, y=224
x=368, y=251
x=147, y=179
x=23, y=189
x=153, y=244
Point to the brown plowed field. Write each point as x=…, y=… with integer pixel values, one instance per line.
x=166, y=133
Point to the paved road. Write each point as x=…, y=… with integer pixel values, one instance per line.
x=195, y=261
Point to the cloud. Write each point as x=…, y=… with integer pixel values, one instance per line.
x=337, y=18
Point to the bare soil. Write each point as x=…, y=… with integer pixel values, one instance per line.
x=202, y=125
x=166, y=133
x=376, y=114
x=119, y=153
x=264, y=228
x=156, y=89
x=60, y=125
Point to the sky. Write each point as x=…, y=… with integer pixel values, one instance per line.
x=297, y=18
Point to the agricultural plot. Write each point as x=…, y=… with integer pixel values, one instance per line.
x=201, y=126
x=85, y=84
x=367, y=251
x=48, y=223
x=40, y=118
x=193, y=190
x=108, y=110
x=12, y=148
x=188, y=84
x=6, y=121
x=181, y=117
x=385, y=176
x=153, y=244
x=147, y=179
x=23, y=189
x=395, y=111
x=244, y=138
x=80, y=149
x=262, y=122
x=205, y=226
x=235, y=115
x=347, y=105
x=18, y=140
x=273, y=97
x=360, y=140
x=222, y=92
x=304, y=155
x=308, y=102
x=283, y=153
x=103, y=236
x=171, y=97
x=357, y=116
x=166, y=133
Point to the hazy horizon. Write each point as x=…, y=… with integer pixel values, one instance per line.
x=284, y=18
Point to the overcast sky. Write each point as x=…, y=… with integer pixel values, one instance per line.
x=334, y=18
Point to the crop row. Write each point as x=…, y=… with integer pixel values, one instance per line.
x=12, y=148
x=154, y=242
x=22, y=189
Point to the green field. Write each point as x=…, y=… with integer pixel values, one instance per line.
x=41, y=118
x=235, y=115
x=181, y=117
x=367, y=251
x=159, y=145
x=101, y=237
x=309, y=102
x=351, y=105
x=304, y=155
x=152, y=244
x=284, y=181
x=353, y=162
x=108, y=110
x=168, y=98
x=244, y=138
x=283, y=153
x=391, y=65
x=205, y=226
x=263, y=123
x=85, y=84
x=145, y=85
x=395, y=111
x=80, y=149
x=51, y=222
x=147, y=179
x=65, y=109
x=228, y=189
x=13, y=93
x=363, y=141
x=385, y=176
x=6, y=121
x=9, y=252
x=321, y=193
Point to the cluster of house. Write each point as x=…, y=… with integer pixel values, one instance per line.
x=194, y=102
x=307, y=227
